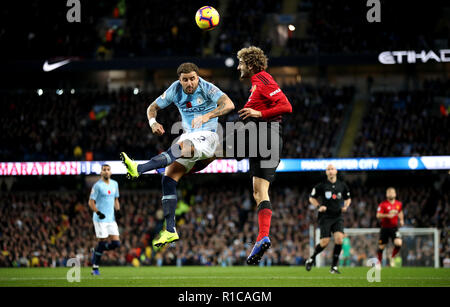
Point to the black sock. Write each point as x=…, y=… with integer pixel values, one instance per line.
x=317, y=251
x=169, y=202
x=161, y=160
x=336, y=253
x=98, y=253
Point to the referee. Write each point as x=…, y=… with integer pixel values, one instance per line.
x=332, y=193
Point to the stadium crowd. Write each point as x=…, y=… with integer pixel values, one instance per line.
x=406, y=123
x=216, y=225
x=97, y=124
x=124, y=28
x=336, y=27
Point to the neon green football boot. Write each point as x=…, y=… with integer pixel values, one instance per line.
x=131, y=166
x=165, y=238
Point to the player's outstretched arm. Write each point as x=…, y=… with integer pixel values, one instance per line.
x=224, y=106
x=152, y=111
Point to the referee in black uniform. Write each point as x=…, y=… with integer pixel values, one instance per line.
x=333, y=193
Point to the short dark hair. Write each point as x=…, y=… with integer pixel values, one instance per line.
x=106, y=165
x=186, y=68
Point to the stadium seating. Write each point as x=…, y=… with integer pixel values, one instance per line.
x=121, y=29
x=106, y=123
x=47, y=228
x=405, y=123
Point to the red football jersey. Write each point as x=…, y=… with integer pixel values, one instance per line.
x=385, y=207
x=267, y=97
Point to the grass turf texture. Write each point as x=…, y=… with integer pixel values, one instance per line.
x=225, y=277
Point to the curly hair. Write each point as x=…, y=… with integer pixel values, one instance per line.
x=254, y=57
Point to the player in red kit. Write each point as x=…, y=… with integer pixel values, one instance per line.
x=391, y=215
x=267, y=103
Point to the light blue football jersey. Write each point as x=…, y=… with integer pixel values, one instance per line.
x=202, y=101
x=104, y=196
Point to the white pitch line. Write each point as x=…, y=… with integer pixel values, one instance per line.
x=221, y=277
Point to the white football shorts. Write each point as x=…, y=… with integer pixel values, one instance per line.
x=104, y=230
x=205, y=144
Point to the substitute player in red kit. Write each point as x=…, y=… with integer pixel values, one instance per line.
x=266, y=103
x=391, y=215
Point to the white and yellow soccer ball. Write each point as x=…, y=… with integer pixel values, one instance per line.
x=207, y=18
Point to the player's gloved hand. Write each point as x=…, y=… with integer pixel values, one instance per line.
x=100, y=215
x=117, y=214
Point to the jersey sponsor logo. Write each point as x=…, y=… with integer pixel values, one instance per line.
x=194, y=109
x=109, y=192
x=328, y=194
x=275, y=92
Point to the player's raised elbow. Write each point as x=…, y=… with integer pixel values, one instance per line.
x=288, y=107
x=229, y=105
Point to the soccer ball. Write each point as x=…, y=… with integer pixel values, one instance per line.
x=207, y=18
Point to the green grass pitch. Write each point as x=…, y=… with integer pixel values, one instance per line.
x=239, y=276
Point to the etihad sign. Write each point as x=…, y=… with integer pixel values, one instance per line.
x=410, y=56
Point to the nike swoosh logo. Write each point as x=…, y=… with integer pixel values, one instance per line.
x=50, y=67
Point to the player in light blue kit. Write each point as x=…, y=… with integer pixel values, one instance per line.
x=199, y=103
x=104, y=201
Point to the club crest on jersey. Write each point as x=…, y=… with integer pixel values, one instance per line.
x=199, y=100
x=339, y=195
x=328, y=194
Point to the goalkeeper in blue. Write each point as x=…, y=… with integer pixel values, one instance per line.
x=200, y=103
x=104, y=201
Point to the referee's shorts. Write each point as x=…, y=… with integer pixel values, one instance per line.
x=329, y=225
